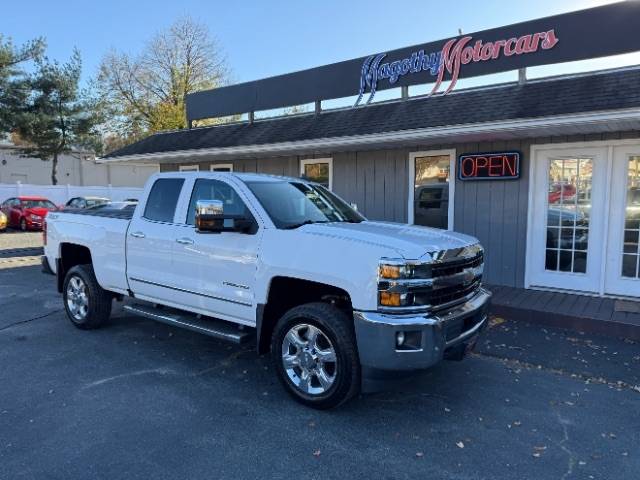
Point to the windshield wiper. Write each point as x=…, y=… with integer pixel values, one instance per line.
x=301, y=224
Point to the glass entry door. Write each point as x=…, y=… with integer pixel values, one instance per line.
x=431, y=204
x=568, y=218
x=623, y=252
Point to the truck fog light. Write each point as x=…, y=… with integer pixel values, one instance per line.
x=390, y=299
x=408, y=341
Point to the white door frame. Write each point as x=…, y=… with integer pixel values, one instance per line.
x=313, y=161
x=615, y=283
x=452, y=182
x=610, y=145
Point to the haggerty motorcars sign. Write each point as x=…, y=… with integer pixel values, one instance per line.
x=454, y=55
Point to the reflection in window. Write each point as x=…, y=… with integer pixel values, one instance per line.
x=568, y=214
x=431, y=197
x=631, y=245
x=316, y=172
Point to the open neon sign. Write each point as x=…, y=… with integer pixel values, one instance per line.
x=489, y=166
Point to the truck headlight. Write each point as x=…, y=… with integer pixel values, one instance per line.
x=35, y=217
x=398, y=269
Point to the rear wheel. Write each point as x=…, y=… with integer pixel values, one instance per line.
x=87, y=305
x=315, y=355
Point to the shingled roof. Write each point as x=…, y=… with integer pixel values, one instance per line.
x=565, y=95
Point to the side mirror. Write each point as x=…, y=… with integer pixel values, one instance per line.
x=210, y=218
x=354, y=206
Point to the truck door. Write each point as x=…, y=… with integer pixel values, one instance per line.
x=150, y=242
x=217, y=270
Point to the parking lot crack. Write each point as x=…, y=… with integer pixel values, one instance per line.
x=562, y=444
x=102, y=381
x=21, y=322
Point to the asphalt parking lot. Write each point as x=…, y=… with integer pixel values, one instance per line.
x=138, y=399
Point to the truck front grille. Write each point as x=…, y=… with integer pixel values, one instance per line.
x=446, y=295
x=456, y=266
x=451, y=277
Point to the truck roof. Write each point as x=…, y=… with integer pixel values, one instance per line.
x=244, y=177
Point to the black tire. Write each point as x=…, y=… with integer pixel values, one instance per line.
x=337, y=327
x=99, y=302
x=23, y=224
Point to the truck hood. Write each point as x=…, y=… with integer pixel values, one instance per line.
x=411, y=242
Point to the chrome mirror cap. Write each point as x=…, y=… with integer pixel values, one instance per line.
x=209, y=215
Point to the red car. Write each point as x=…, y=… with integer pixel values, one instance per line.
x=27, y=213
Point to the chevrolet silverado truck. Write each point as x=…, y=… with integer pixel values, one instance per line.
x=341, y=302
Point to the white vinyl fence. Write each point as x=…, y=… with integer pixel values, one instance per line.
x=60, y=194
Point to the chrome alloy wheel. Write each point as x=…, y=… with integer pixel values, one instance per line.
x=309, y=359
x=77, y=298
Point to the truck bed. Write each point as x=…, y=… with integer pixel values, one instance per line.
x=108, y=211
x=103, y=230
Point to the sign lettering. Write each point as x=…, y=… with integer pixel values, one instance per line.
x=454, y=54
x=489, y=166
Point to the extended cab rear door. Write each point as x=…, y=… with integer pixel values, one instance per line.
x=150, y=241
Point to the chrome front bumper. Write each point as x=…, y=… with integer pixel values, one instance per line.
x=435, y=334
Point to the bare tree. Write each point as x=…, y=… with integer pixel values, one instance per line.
x=146, y=92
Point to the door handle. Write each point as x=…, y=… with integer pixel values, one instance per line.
x=184, y=241
x=137, y=234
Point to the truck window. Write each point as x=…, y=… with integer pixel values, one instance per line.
x=163, y=198
x=216, y=190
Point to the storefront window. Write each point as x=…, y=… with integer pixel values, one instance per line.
x=317, y=170
x=631, y=245
x=431, y=197
x=568, y=214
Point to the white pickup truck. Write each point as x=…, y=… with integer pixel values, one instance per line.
x=341, y=302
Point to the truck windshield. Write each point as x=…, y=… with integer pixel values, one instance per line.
x=293, y=204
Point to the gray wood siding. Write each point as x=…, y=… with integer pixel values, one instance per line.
x=494, y=211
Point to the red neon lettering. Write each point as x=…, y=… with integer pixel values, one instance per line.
x=465, y=172
x=493, y=166
x=509, y=162
x=481, y=163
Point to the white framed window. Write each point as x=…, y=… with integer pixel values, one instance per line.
x=432, y=182
x=189, y=168
x=221, y=167
x=319, y=170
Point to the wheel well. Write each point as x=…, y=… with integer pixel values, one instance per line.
x=286, y=293
x=70, y=256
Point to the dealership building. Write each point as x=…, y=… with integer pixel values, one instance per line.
x=545, y=172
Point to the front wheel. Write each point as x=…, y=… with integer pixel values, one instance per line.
x=23, y=224
x=315, y=355
x=88, y=306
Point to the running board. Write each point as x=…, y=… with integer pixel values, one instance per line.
x=212, y=327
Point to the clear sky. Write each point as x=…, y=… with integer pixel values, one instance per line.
x=270, y=37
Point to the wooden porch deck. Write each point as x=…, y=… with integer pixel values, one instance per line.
x=604, y=316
